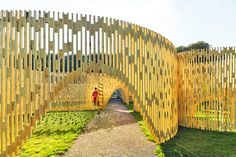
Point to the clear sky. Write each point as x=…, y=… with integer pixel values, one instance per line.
x=181, y=21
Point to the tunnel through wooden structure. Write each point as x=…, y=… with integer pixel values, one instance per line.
x=48, y=58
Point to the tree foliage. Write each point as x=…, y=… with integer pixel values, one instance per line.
x=197, y=45
x=182, y=48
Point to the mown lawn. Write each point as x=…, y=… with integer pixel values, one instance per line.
x=192, y=142
x=56, y=133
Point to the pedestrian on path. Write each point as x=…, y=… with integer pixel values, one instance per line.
x=95, y=99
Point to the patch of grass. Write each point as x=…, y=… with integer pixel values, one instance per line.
x=56, y=133
x=159, y=151
x=192, y=142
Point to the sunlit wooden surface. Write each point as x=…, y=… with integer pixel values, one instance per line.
x=207, y=89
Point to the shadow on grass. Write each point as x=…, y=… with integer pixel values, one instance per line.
x=193, y=142
x=58, y=132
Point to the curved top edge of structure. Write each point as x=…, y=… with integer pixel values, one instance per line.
x=88, y=17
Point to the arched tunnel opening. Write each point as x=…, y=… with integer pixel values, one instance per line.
x=116, y=97
x=119, y=96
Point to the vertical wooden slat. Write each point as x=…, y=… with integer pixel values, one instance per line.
x=7, y=77
x=1, y=85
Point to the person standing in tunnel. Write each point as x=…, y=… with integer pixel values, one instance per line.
x=95, y=99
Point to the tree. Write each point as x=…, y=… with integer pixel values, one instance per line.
x=182, y=49
x=197, y=45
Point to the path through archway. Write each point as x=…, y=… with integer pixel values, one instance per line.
x=114, y=132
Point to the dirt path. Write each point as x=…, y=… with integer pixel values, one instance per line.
x=113, y=133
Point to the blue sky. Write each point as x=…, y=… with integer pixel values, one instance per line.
x=181, y=21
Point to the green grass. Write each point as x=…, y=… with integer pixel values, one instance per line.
x=56, y=133
x=192, y=142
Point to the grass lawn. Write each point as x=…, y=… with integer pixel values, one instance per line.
x=56, y=133
x=192, y=142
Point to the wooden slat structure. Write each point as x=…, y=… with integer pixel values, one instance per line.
x=207, y=89
x=43, y=53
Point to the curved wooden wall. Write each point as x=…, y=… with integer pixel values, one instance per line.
x=207, y=89
x=42, y=52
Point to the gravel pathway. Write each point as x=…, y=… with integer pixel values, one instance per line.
x=113, y=133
